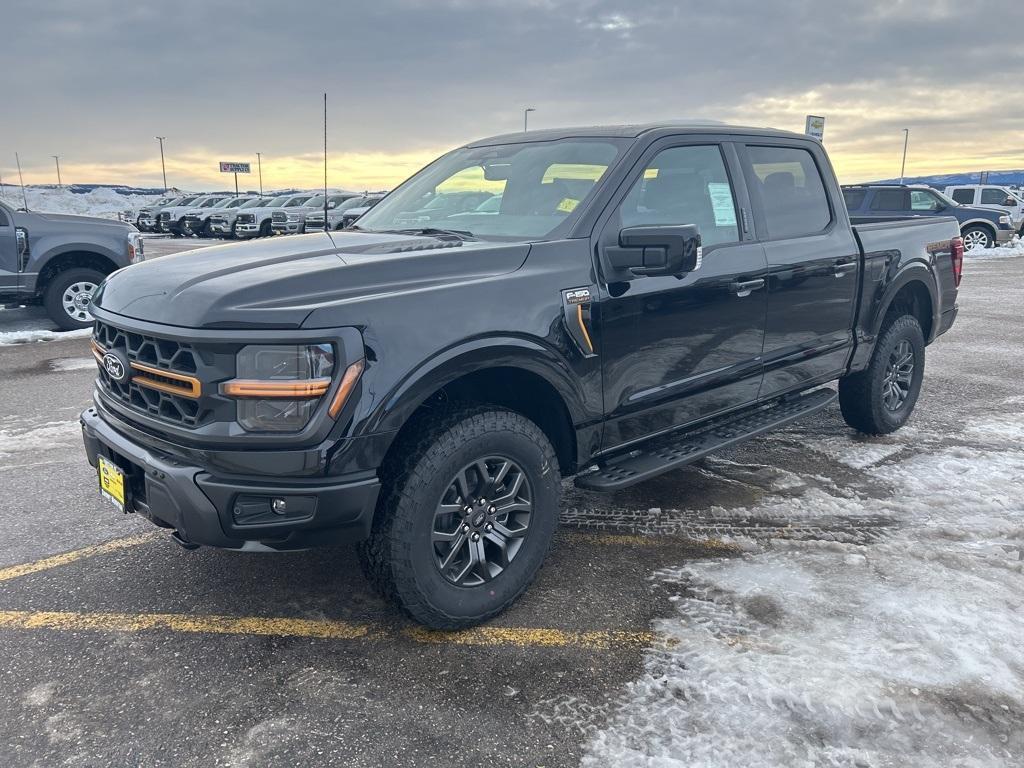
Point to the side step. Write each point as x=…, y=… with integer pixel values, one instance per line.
x=676, y=450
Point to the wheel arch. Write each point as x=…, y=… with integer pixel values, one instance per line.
x=517, y=374
x=913, y=290
x=62, y=261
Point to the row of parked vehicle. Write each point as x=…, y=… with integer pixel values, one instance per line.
x=245, y=216
x=988, y=216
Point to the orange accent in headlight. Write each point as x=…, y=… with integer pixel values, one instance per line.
x=293, y=390
x=348, y=383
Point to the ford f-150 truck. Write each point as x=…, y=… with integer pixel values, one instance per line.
x=59, y=261
x=643, y=296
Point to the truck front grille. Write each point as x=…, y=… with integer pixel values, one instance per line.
x=163, y=379
x=279, y=217
x=246, y=218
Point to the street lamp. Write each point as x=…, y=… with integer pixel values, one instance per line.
x=163, y=167
x=906, y=140
x=56, y=159
x=259, y=166
x=526, y=117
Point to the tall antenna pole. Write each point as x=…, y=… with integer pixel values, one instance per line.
x=21, y=178
x=259, y=166
x=526, y=118
x=57, y=160
x=906, y=140
x=162, y=166
x=326, y=227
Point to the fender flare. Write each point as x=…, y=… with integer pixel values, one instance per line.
x=980, y=223
x=481, y=353
x=915, y=271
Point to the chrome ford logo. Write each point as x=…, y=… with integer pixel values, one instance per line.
x=114, y=367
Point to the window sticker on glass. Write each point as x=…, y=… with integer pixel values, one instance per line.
x=568, y=205
x=721, y=204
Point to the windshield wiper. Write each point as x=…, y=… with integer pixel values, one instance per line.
x=461, y=234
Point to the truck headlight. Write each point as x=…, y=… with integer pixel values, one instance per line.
x=1004, y=219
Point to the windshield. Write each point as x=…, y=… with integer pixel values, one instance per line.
x=258, y=202
x=186, y=200
x=317, y=201
x=277, y=202
x=540, y=184
x=296, y=201
x=352, y=202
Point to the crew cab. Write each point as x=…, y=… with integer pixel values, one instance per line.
x=197, y=221
x=979, y=227
x=59, y=261
x=352, y=214
x=172, y=218
x=222, y=222
x=146, y=220
x=644, y=295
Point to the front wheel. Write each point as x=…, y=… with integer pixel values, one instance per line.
x=69, y=295
x=976, y=238
x=467, y=514
x=880, y=399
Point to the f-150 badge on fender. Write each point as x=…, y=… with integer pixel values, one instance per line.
x=576, y=315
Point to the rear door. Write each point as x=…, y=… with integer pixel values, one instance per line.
x=813, y=263
x=678, y=349
x=962, y=195
x=9, y=274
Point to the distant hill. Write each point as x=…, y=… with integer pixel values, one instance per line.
x=999, y=178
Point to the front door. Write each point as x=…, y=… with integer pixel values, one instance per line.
x=813, y=266
x=9, y=274
x=677, y=349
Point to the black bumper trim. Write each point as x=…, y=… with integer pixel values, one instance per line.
x=175, y=494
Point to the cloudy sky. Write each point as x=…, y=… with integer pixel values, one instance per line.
x=96, y=80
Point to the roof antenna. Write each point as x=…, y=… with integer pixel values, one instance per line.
x=326, y=227
x=24, y=199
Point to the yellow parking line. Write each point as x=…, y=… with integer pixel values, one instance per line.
x=14, y=571
x=602, y=640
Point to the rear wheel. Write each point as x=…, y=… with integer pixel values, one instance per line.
x=880, y=399
x=69, y=295
x=977, y=238
x=466, y=516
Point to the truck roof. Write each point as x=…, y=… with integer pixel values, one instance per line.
x=632, y=132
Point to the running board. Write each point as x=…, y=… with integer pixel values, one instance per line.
x=662, y=454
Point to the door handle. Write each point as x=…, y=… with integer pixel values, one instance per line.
x=842, y=267
x=746, y=287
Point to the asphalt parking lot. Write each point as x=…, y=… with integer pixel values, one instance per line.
x=121, y=648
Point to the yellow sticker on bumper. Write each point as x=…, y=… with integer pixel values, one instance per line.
x=111, y=483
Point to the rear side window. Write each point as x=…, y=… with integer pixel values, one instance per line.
x=854, y=198
x=890, y=200
x=992, y=196
x=963, y=196
x=792, y=192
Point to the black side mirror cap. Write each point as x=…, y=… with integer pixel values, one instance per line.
x=649, y=251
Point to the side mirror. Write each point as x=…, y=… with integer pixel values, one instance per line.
x=332, y=204
x=656, y=250
x=1010, y=202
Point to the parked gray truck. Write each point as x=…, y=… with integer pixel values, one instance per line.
x=59, y=261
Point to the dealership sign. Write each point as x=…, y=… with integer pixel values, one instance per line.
x=815, y=126
x=234, y=168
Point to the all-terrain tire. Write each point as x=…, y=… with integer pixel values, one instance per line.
x=61, y=291
x=863, y=395
x=400, y=559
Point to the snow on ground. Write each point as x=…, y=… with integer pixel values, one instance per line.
x=822, y=653
x=26, y=337
x=38, y=439
x=105, y=203
x=1014, y=248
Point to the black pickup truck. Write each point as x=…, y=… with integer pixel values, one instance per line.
x=641, y=297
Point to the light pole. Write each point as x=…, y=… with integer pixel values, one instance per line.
x=259, y=167
x=56, y=159
x=906, y=140
x=526, y=117
x=163, y=167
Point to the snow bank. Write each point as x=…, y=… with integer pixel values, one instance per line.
x=816, y=652
x=1011, y=249
x=105, y=203
x=26, y=337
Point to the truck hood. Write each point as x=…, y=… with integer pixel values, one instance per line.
x=91, y=220
x=981, y=213
x=280, y=282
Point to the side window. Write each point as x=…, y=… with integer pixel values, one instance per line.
x=889, y=200
x=792, y=192
x=992, y=196
x=963, y=196
x=854, y=198
x=923, y=201
x=684, y=185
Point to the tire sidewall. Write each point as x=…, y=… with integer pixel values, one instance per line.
x=415, y=552
x=53, y=296
x=905, y=328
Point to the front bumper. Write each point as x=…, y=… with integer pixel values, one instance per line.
x=1004, y=236
x=287, y=227
x=206, y=509
x=247, y=230
x=192, y=226
x=220, y=227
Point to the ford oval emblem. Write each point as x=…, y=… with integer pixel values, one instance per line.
x=114, y=367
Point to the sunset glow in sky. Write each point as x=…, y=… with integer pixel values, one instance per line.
x=96, y=80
